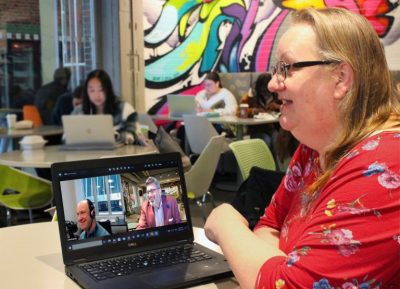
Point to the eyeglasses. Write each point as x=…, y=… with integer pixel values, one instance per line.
x=281, y=68
x=152, y=190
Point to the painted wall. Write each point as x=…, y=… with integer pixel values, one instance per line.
x=186, y=39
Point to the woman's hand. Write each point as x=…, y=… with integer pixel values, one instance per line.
x=221, y=218
x=142, y=140
x=129, y=139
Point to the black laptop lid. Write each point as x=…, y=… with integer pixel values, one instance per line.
x=116, y=189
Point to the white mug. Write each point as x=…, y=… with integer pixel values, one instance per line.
x=11, y=120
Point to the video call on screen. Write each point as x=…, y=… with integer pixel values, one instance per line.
x=117, y=199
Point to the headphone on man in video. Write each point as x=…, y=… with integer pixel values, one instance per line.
x=92, y=212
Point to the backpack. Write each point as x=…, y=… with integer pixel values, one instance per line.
x=255, y=193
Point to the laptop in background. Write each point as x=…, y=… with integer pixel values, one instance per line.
x=179, y=105
x=115, y=187
x=89, y=132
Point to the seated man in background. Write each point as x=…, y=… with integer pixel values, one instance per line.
x=157, y=210
x=65, y=104
x=86, y=216
x=47, y=95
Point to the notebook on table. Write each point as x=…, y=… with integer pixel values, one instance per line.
x=179, y=105
x=129, y=257
x=89, y=132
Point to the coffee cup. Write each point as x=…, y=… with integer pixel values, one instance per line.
x=11, y=120
x=244, y=110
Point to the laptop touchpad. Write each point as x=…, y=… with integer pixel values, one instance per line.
x=166, y=277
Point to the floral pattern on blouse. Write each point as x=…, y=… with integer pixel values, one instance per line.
x=354, y=208
x=353, y=284
x=386, y=178
x=341, y=238
x=354, y=221
x=294, y=256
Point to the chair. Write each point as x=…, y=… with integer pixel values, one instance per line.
x=31, y=112
x=199, y=177
x=53, y=212
x=106, y=225
x=22, y=191
x=250, y=153
x=199, y=131
x=146, y=119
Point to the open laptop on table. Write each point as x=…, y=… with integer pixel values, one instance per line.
x=113, y=186
x=179, y=105
x=89, y=132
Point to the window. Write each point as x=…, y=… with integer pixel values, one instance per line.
x=78, y=38
x=106, y=194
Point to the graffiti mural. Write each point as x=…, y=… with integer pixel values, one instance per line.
x=186, y=39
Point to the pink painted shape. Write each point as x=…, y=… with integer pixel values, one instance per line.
x=267, y=42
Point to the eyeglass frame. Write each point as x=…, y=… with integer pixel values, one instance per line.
x=152, y=190
x=300, y=64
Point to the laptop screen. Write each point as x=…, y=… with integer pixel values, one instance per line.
x=111, y=196
x=179, y=105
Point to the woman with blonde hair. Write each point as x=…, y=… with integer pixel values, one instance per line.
x=334, y=220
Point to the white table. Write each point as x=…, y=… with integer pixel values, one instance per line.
x=14, y=134
x=44, y=130
x=238, y=122
x=43, y=158
x=31, y=258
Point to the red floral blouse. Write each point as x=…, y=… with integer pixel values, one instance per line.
x=350, y=238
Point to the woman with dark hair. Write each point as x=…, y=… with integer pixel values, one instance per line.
x=214, y=97
x=261, y=100
x=99, y=98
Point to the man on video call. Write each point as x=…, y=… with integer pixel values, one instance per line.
x=86, y=216
x=157, y=210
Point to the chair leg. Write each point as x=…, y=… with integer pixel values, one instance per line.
x=200, y=204
x=9, y=217
x=30, y=216
x=212, y=199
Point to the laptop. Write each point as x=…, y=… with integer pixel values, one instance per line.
x=179, y=105
x=89, y=132
x=115, y=188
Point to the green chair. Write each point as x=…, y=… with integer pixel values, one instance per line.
x=250, y=153
x=23, y=191
x=198, y=179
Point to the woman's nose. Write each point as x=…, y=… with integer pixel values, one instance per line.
x=274, y=85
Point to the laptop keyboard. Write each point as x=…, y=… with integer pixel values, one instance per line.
x=126, y=265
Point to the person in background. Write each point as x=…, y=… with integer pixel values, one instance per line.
x=99, y=98
x=46, y=97
x=86, y=217
x=260, y=100
x=66, y=104
x=158, y=209
x=215, y=98
x=334, y=220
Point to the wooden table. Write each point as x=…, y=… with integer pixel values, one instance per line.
x=43, y=158
x=31, y=258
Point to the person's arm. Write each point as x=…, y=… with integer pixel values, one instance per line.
x=229, y=101
x=200, y=101
x=142, y=219
x=249, y=252
x=132, y=131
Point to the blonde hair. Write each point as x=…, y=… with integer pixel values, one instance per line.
x=372, y=103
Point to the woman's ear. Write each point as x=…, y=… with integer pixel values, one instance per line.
x=344, y=80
